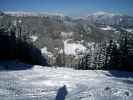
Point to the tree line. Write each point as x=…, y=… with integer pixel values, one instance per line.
x=13, y=47
x=113, y=54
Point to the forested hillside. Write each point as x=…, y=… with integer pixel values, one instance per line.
x=66, y=41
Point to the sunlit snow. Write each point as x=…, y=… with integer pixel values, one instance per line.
x=66, y=34
x=129, y=30
x=46, y=52
x=34, y=38
x=107, y=28
x=73, y=48
x=43, y=83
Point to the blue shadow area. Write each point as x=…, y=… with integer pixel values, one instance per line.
x=120, y=74
x=13, y=65
x=62, y=92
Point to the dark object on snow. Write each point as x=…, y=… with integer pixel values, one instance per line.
x=62, y=92
x=127, y=93
x=107, y=88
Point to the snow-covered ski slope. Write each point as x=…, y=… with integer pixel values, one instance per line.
x=44, y=83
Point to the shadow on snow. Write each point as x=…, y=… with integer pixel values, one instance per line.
x=62, y=92
x=120, y=74
x=13, y=65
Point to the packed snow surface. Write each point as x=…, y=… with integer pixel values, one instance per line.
x=45, y=83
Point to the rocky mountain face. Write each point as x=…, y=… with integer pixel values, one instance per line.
x=63, y=37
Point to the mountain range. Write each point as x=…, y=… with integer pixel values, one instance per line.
x=49, y=31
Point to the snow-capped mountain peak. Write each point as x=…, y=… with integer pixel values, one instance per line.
x=104, y=13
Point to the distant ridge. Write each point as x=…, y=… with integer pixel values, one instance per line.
x=27, y=13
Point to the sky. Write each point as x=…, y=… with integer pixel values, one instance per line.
x=69, y=7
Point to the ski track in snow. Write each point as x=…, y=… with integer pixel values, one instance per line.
x=43, y=83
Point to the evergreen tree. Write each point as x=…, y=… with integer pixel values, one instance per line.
x=126, y=50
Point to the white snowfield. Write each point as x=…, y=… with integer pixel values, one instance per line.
x=73, y=48
x=44, y=83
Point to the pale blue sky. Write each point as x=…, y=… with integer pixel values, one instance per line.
x=69, y=7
